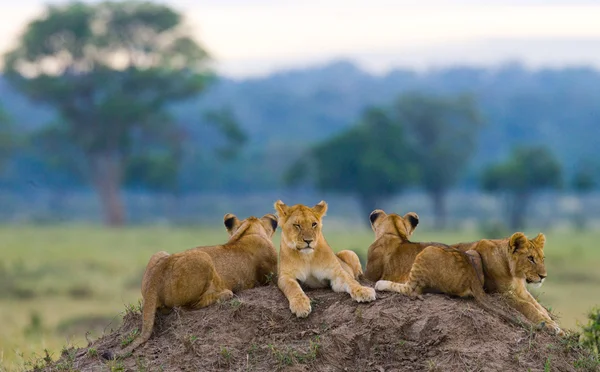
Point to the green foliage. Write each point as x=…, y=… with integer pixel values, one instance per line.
x=93, y=352
x=129, y=337
x=585, y=178
x=370, y=160
x=155, y=170
x=527, y=169
x=225, y=121
x=591, y=332
x=443, y=132
x=110, y=70
x=288, y=356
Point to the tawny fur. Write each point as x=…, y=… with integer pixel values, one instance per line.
x=202, y=276
x=392, y=254
x=508, y=265
x=306, y=257
x=446, y=270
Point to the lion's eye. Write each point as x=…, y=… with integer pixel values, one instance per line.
x=314, y=225
x=531, y=259
x=297, y=226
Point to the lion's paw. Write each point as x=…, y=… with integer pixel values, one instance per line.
x=225, y=295
x=383, y=285
x=363, y=294
x=555, y=329
x=300, y=306
x=551, y=327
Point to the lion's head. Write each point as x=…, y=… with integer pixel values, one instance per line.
x=528, y=257
x=402, y=226
x=265, y=226
x=301, y=225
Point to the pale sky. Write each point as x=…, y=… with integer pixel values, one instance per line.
x=254, y=37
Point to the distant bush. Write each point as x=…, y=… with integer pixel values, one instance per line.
x=591, y=331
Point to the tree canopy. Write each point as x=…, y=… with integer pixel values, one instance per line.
x=442, y=133
x=110, y=70
x=370, y=160
x=525, y=171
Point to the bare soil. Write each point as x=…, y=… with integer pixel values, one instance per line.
x=256, y=332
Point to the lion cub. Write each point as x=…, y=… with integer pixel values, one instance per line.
x=202, y=276
x=306, y=257
x=509, y=264
x=446, y=270
x=392, y=254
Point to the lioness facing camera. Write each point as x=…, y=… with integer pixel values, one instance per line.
x=306, y=257
x=202, y=276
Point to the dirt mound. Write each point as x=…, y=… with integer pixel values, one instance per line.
x=256, y=332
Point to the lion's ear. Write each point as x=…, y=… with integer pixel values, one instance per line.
x=540, y=240
x=517, y=240
x=376, y=215
x=321, y=208
x=269, y=222
x=413, y=219
x=231, y=223
x=281, y=208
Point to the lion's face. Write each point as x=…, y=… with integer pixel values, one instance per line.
x=265, y=225
x=528, y=256
x=301, y=225
x=402, y=226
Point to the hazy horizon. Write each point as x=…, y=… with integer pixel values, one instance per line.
x=257, y=37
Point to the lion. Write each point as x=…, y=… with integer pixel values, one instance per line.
x=510, y=263
x=202, y=276
x=446, y=270
x=392, y=254
x=306, y=257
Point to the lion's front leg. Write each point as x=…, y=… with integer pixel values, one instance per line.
x=341, y=281
x=523, y=301
x=299, y=301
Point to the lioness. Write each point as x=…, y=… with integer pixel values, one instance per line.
x=202, y=276
x=305, y=256
x=508, y=265
x=392, y=254
x=449, y=271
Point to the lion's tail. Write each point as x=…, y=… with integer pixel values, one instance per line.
x=148, y=314
x=482, y=300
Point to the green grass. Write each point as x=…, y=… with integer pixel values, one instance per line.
x=57, y=278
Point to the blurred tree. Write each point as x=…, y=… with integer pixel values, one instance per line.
x=443, y=133
x=585, y=178
x=526, y=171
x=6, y=138
x=155, y=165
x=110, y=70
x=370, y=160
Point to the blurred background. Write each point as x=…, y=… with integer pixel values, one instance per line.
x=132, y=127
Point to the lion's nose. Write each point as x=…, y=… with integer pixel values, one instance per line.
x=542, y=276
x=308, y=241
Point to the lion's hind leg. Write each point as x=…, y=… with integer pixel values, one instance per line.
x=409, y=288
x=351, y=263
x=214, y=289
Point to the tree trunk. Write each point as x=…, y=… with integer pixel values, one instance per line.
x=106, y=176
x=368, y=203
x=438, y=197
x=518, y=210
